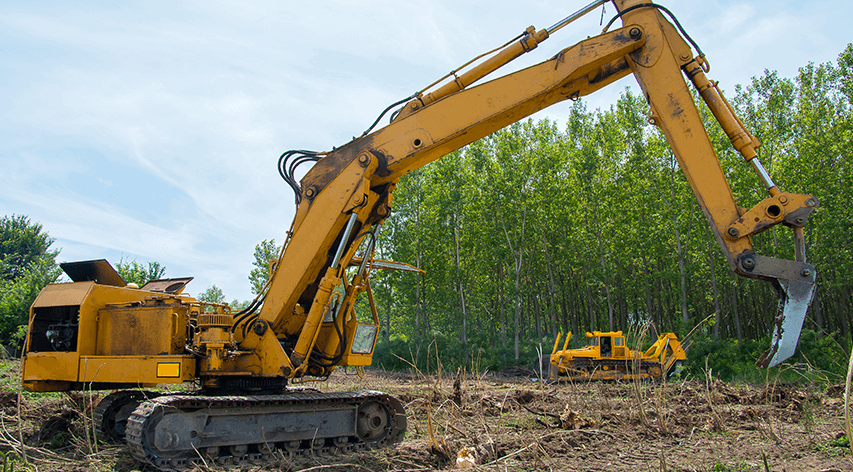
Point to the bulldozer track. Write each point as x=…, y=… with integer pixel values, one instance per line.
x=619, y=369
x=176, y=432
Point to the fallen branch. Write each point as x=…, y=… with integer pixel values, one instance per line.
x=7, y=439
x=335, y=466
x=540, y=413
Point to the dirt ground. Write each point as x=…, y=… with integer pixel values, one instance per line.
x=507, y=422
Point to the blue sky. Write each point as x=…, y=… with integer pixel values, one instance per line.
x=150, y=131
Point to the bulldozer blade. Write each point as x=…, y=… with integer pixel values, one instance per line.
x=794, y=300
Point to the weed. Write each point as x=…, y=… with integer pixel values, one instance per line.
x=839, y=446
x=807, y=418
x=716, y=419
x=12, y=462
x=8, y=375
x=742, y=466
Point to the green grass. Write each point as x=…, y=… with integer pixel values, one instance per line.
x=742, y=466
x=12, y=462
x=10, y=375
x=839, y=446
x=10, y=381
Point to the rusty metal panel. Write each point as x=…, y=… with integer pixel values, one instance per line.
x=133, y=369
x=140, y=331
x=63, y=294
x=50, y=366
x=173, y=286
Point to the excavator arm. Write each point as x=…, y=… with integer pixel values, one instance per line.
x=347, y=193
x=658, y=69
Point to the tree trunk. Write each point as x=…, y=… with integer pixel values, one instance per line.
x=536, y=313
x=464, y=334
x=604, y=273
x=552, y=291
x=518, y=257
x=591, y=311
x=419, y=303
x=502, y=305
x=682, y=272
x=648, y=292
x=717, y=315
x=735, y=312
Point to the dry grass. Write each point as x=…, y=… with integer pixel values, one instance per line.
x=510, y=423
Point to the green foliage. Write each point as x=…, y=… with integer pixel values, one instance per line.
x=12, y=462
x=140, y=274
x=266, y=252
x=742, y=466
x=393, y=355
x=212, y=294
x=727, y=359
x=821, y=359
x=839, y=446
x=450, y=353
x=10, y=376
x=22, y=245
x=26, y=266
x=238, y=305
x=19, y=335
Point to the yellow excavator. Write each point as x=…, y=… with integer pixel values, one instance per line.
x=317, y=312
x=607, y=357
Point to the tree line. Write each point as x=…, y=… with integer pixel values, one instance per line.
x=539, y=229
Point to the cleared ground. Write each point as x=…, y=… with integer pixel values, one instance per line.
x=508, y=422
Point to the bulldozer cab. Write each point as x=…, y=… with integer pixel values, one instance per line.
x=611, y=344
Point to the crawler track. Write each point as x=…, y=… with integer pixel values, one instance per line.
x=112, y=412
x=611, y=370
x=174, y=432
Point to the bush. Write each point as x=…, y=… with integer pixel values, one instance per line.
x=817, y=359
x=482, y=354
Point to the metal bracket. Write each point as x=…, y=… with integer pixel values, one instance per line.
x=789, y=208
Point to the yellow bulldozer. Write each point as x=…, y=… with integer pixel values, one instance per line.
x=606, y=357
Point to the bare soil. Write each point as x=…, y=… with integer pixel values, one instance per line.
x=508, y=422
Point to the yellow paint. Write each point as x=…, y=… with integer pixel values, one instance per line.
x=572, y=363
x=169, y=369
x=131, y=369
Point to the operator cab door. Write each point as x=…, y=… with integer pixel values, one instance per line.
x=606, y=346
x=619, y=349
